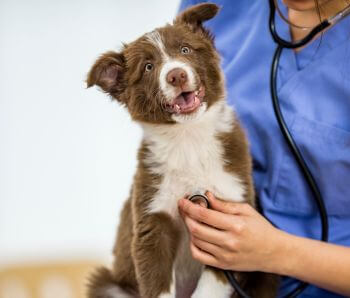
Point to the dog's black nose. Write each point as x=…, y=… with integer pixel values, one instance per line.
x=176, y=77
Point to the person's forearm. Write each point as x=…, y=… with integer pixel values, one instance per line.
x=322, y=264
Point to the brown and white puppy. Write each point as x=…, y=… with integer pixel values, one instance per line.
x=171, y=83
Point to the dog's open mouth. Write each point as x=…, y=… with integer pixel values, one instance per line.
x=187, y=102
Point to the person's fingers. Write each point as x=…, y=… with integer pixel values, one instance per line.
x=207, y=246
x=228, y=207
x=210, y=217
x=203, y=257
x=205, y=232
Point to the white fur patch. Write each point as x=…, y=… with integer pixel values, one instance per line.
x=209, y=286
x=155, y=38
x=190, y=159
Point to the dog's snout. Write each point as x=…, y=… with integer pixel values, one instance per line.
x=176, y=77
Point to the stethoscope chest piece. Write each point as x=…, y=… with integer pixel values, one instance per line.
x=200, y=199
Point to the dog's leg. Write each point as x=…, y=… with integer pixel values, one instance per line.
x=154, y=249
x=212, y=283
x=102, y=284
x=171, y=293
x=120, y=281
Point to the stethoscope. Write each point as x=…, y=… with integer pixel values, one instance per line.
x=281, y=44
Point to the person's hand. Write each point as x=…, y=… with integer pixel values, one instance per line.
x=231, y=235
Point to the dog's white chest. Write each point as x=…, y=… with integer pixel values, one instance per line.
x=190, y=158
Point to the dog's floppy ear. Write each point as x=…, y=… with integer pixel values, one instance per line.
x=107, y=73
x=197, y=14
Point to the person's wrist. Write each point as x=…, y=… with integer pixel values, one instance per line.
x=282, y=256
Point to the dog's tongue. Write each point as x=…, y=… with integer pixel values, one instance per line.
x=186, y=102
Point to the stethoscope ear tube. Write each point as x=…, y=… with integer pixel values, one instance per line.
x=297, y=44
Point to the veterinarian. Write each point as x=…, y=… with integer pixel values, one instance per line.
x=313, y=88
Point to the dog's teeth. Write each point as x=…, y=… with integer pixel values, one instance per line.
x=177, y=108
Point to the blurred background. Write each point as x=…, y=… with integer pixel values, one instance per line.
x=67, y=153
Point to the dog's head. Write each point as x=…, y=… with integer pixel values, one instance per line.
x=168, y=75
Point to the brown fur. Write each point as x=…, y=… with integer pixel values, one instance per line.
x=237, y=159
x=147, y=243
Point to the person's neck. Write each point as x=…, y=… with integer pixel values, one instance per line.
x=311, y=18
x=308, y=19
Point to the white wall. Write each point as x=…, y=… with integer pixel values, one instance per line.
x=67, y=154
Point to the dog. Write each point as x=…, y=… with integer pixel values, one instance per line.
x=171, y=83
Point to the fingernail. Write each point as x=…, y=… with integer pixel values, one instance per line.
x=209, y=194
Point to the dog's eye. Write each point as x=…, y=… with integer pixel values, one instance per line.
x=185, y=50
x=148, y=67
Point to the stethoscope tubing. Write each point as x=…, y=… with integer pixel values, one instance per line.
x=298, y=157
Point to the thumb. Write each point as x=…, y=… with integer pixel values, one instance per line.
x=227, y=207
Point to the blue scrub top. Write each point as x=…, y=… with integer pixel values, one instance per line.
x=314, y=93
